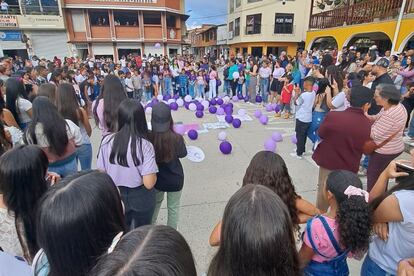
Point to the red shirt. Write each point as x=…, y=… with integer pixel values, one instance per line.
x=343, y=134
x=287, y=93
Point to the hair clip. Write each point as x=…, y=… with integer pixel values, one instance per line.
x=115, y=241
x=354, y=191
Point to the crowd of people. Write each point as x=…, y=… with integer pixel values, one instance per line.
x=59, y=217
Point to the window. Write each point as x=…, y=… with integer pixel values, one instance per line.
x=122, y=18
x=284, y=23
x=231, y=6
x=238, y=3
x=237, y=27
x=171, y=21
x=231, y=27
x=257, y=51
x=254, y=24
x=152, y=18
x=99, y=18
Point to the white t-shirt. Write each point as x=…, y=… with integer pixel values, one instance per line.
x=24, y=106
x=265, y=73
x=339, y=101
x=4, y=6
x=79, y=78
x=128, y=85
x=10, y=265
x=123, y=63
x=400, y=243
x=72, y=130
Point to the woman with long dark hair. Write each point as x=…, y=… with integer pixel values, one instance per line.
x=105, y=108
x=169, y=148
x=78, y=218
x=17, y=103
x=68, y=106
x=393, y=216
x=57, y=137
x=22, y=182
x=254, y=69
x=129, y=158
x=276, y=82
x=257, y=236
x=162, y=251
x=269, y=169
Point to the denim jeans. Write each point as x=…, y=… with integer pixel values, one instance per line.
x=411, y=129
x=212, y=92
x=370, y=268
x=183, y=91
x=337, y=267
x=84, y=156
x=239, y=89
x=64, y=169
x=148, y=95
x=139, y=205
x=167, y=86
x=247, y=83
x=138, y=94
x=317, y=119
x=191, y=90
x=264, y=89
x=200, y=90
x=173, y=206
x=175, y=85
x=226, y=87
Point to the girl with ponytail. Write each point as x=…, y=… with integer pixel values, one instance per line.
x=345, y=229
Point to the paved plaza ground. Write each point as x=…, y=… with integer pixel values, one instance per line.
x=209, y=184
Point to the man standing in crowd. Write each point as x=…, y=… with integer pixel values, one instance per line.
x=380, y=71
x=343, y=139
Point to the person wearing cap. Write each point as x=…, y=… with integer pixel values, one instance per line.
x=380, y=71
x=388, y=123
x=169, y=148
x=342, y=139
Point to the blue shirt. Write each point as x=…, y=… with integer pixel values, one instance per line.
x=304, y=106
x=182, y=80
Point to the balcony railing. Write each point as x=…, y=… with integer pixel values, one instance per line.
x=363, y=12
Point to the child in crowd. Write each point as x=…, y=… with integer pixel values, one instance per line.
x=191, y=83
x=129, y=87
x=161, y=88
x=201, y=83
x=345, y=228
x=169, y=148
x=183, y=82
x=286, y=97
x=304, y=103
x=240, y=83
x=148, y=86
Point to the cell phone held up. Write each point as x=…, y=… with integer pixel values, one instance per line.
x=404, y=167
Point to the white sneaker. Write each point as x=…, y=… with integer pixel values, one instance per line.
x=293, y=154
x=408, y=139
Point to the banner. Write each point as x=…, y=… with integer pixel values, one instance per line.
x=10, y=36
x=8, y=21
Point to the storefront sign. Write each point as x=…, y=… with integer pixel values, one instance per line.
x=10, y=36
x=8, y=21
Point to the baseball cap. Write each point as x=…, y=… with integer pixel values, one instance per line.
x=352, y=48
x=373, y=47
x=161, y=117
x=383, y=62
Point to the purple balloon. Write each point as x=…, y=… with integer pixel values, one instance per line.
x=174, y=106
x=176, y=97
x=193, y=134
x=220, y=111
x=154, y=101
x=235, y=99
x=246, y=99
x=187, y=105
x=230, y=104
x=167, y=97
x=264, y=119
x=199, y=114
x=258, y=113
x=212, y=109
x=269, y=108
x=220, y=101
x=277, y=108
x=270, y=145
x=259, y=99
x=229, y=119
x=225, y=147
x=228, y=110
x=293, y=139
x=213, y=102
x=240, y=96
x=200, y=107
x=277, y=137
x=236, y=123
x=179, y=129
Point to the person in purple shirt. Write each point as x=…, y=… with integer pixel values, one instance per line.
x=129, y=158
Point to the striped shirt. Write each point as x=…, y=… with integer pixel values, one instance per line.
x=386, y=124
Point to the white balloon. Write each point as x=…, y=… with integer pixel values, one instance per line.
x=160, y=98
x=226, y=99
x=188, y=98
x=206, y=104
x=170, y=101
x=192, y=107
x=180, y=102
x=242, y=112
x=236, y=75
x=222, y=136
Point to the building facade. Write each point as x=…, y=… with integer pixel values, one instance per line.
x=114, y=28
x=32, y=27
x=209, y=40
x=387, y=24
x=262, y=27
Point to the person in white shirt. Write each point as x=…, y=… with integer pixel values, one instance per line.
x=264, y=73
x=129, y=87
x=4, y=6
x=304, y=102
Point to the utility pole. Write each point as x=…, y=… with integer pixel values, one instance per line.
x=397, y=28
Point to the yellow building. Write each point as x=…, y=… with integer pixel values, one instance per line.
x=267, y=26
x=363, y=24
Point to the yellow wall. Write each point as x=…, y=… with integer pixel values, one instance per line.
x=344, y=34
x=291, y=47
